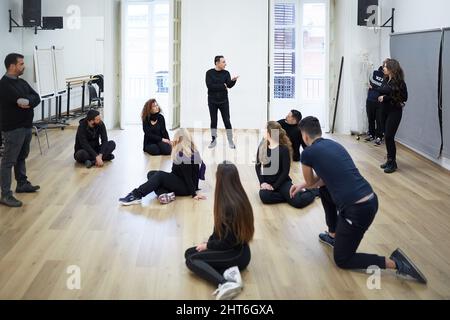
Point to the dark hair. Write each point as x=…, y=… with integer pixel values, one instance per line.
x=311, y=127
x=146, y=111
x=92, y=114
x=12, y=59
x=217, y=59
x=398, y=80
x=297, y=115
x=232, y=209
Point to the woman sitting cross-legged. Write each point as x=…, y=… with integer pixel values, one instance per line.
x=188, y=168
x=273, y=163
x=227, y=251
x=156, y=138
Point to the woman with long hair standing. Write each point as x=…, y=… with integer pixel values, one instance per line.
x=227, y=250
x=188, y=168
x=156, y=137
x=273, y=164
x=393, y=95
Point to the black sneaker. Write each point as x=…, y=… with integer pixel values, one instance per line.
x=327, y=239
x=11, y=202
x=27, y=188
x=378, y=141
x=89, y=164
x=213, y=144
x=130, y=199
x=369, y=139
x=384, y=165
x=406, y=267
x=391, y=167
x=109, y=157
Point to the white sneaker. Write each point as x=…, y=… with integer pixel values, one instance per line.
x=233, y=275
x=227, y=291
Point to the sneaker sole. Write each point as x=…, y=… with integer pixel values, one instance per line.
x=230, y=294
x=130, y=203
x=404, y=256
x=327, y=243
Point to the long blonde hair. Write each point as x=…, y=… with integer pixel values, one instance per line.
x=274, y=127
x=182, y=142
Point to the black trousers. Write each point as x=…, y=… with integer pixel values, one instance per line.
x=17, y=149
x=158, y=149
x=282, y=195
x=393, y=116
x=106, y=149
x=375, y=117
x=210, y=264
x=224, y=109
x=350, y=225
x=162, y=182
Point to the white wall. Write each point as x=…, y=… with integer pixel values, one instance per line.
x=239, y=31
x=10, y=42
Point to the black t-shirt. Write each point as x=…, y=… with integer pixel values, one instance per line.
x=154, y=133
x=334, y=165
x=275, y=172
x=295, y=135
x=215, y=81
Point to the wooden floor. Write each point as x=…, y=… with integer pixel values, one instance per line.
x=137, y=252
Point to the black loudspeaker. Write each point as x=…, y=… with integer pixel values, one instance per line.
x=32, y=13
x=363, y=5
x=52, y=23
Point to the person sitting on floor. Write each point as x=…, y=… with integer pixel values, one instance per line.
x=187, y=169
x=290, y=125
x=273, y=163
x=156, y=138
x=88, y=149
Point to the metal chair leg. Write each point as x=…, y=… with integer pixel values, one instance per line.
x=46, y=136
x=39, y=140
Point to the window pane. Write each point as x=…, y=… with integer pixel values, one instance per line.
x=284, y=88
x=285, y=39
x=314, y=15
x=284, y=14
x=284, y=63
x=314, y=38
x=314, y=63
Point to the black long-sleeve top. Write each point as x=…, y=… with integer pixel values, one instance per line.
x=188, y=169
x=215, y=81
x=11, y=115
x=393, y=97
x=88, y=138
x=229, y=241
x=154, y=133
x=282, y=175
x=295, y=135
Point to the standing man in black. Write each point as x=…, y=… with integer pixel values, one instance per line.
x=218, y=81
x=17, y=103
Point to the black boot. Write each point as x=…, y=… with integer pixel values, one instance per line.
x=384, y=165
x=391, y=167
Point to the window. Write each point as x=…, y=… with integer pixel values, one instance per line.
x=284, y=56
x=298, y=55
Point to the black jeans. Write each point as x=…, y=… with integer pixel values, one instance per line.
x=162, y=182
x=17, y=149
x=393, y=116
x=224, y=108
x=282, y=195
x=158, y=149
x=210, y=264
x=375, y=118
x=350, y=226
x=106, y=149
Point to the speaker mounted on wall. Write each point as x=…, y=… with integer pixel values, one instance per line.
x=52, y=23
x=32, y=13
